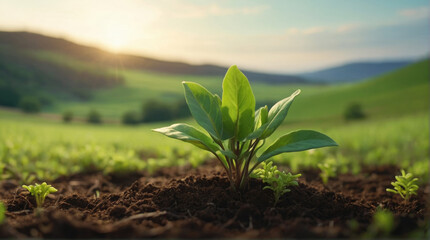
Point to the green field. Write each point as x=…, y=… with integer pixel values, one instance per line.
x=47, y=149
x=397, y=93
x=396, y=129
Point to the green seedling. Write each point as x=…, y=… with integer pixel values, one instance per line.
x=235, y=132
x=405, y=185
x=328, y=170
x=276, y=180
x=40, y=191
x=382, y=225
x=2, y=213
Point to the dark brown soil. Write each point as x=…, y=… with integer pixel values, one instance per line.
x=198, y=203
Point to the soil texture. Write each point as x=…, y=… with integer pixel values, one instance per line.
x=181, y=202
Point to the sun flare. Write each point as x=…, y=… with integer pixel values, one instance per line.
x=116, y=34
x=115, y=40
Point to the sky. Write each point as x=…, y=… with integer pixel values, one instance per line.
x=279, y=36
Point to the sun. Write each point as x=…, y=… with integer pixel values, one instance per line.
x=115, y=40
x=115, y=35
x=120, y=31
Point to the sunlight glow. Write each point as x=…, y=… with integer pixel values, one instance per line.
x=270, y=36
x=118, y=30
x=116, y=35
x=115, y=40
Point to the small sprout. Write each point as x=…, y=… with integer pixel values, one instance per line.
x=277, y=181
x=384, y=220
x=2, y=213
x=328, y=170
x=40, y=191
x=382, y=224
x=405, y=185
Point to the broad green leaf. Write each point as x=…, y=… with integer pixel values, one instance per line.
x=205, y=108
x=275, y=118
x=261, y=116
x=238, y=104
x=190, y=134
x=218, y=100
x=297, y=141
x=278, y=113
x=257, y=133
x=226, y=132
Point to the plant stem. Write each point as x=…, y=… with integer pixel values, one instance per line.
x=229, y=166
x=38, y=201
x=239, y=163
x=245, y=173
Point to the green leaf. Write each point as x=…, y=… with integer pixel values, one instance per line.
x=297, y=141
x=261, y=116
x=258, y=133
x=276, y=116
x=187, y=133
x=238, y=104
x=205, y=108
x=218, y=100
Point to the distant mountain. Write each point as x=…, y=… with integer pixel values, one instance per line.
x=353, y=72
x=21, y=74
x=33, y=41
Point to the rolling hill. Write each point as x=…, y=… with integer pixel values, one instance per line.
x=56, y=69
x=353, y=72
x=27, y=75
x=38, y=42
x=401, y=92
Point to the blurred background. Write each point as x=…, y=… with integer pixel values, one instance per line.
x=83, y=82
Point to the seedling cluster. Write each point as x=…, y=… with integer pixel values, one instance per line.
x=328, y=170
x=276, y=180
x=40, y=191
x=235, y=132
x=405, y=185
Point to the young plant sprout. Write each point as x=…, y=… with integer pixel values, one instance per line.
x=328, y=170
x=383, y=223
x=40, y=191
x=2, y=213
x=405, y=185
x=235, y=131
x=276, y=180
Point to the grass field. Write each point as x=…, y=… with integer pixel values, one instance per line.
x=396, y=130
x=398, y=93
x=62, y=149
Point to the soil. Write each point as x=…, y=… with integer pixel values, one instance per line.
x=181, y=202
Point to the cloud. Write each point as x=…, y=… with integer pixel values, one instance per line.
x=416, y=13
x=303, y=49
